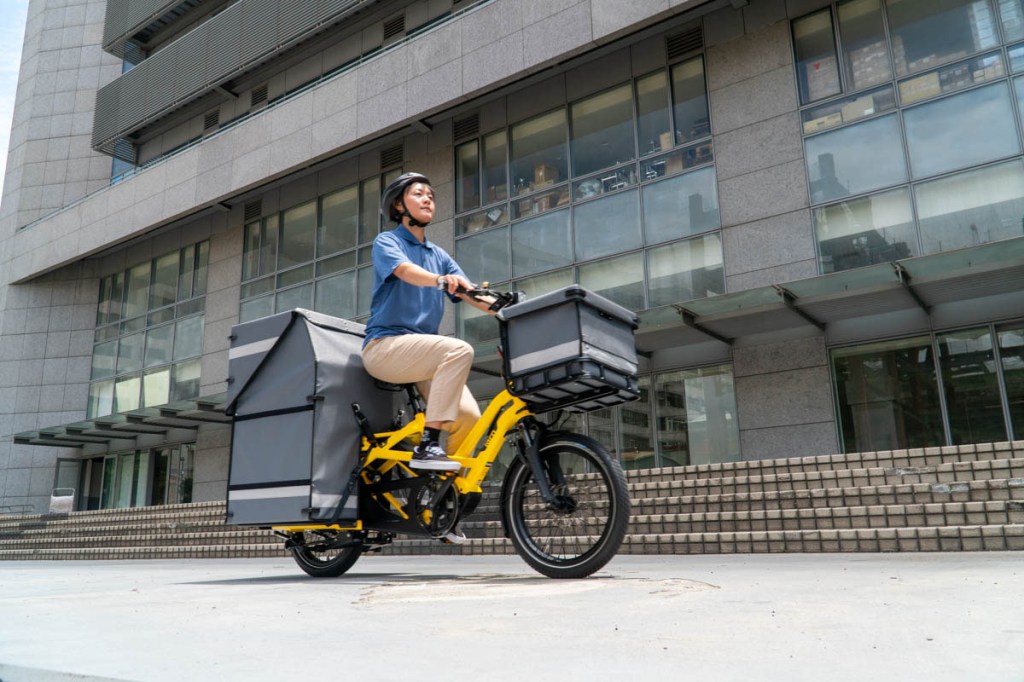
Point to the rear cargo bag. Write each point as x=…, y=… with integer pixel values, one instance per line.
x=292, y=378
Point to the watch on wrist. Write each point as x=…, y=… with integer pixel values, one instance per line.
x=442, y=283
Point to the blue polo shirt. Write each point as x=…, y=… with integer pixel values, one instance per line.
x=398, y=307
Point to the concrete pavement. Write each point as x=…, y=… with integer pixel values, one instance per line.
x=935, y=617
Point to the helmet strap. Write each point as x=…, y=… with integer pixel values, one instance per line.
x=412, y=221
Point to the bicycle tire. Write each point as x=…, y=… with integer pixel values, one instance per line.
x=323, y=563
x=582, y=536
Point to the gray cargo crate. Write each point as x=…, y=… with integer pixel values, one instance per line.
x=569, y=349
x=292, y=378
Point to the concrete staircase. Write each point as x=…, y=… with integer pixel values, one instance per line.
x=964, y=498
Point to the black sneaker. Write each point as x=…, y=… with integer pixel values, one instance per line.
x=432, y=457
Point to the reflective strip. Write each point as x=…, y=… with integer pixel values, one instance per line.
x=543, y=357
x=269, y=493
x=252, y=348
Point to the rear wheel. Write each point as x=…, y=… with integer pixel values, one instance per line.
x=316, y=552
x=584, y=528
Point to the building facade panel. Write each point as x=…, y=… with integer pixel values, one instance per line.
x=658, y=154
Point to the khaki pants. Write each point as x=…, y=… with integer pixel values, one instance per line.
x=439, y=366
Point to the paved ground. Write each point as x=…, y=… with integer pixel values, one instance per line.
x=832, y=617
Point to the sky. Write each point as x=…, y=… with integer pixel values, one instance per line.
x=12, y=33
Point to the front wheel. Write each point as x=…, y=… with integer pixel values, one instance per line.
x=317, y=552
x=582, y=530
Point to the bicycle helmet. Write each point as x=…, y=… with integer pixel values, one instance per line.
x=395, y=192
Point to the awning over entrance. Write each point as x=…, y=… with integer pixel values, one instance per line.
x=121, y=430
x=971, y=285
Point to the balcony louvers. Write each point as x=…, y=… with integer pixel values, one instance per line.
x=243, y=36
x=253, y=209
x=683, y=43
x=466, y=127
x=394, y=27
x=392, y=156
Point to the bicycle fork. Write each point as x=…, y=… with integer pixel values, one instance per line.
x=545, y=473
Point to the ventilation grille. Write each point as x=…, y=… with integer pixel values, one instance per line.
x=392, y=156
x=394, y=27
x=685, y=42
x=253, y=209
x=466, y=127
x=211, y=120
x=259, y=95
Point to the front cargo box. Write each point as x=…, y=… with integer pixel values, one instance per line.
x=569, y=349
x=292, y=378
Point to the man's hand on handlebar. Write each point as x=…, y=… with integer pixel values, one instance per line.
x=489, y=300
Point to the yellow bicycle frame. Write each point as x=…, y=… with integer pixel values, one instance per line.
x=504, y=411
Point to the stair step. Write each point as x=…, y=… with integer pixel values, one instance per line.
x=912, y=539
x=235, y=551
x=228, y=537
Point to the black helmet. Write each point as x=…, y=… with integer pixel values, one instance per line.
x=395, y=191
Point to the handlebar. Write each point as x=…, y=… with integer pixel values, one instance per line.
x=499, y=299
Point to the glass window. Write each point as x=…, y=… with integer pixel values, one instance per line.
x=364, y=282
x=477, y=327
x=159, y=341
x=369, y=212
x=538, y=152
x=136, y=300
x=864, y=231
x=652, y=114
x=686, y=270
x=295, y=275
x=960, y=131
x=484, y=257
x=495, y=168
x=926, y=34
x=339, y=221
x=618, y=279
x=847, y=109
x=607, y=225
x=888, y=396
x=681, y=206
x=1017, y=60
x=602, y=130
x=467, y=176
x=296, y=297
x=948, y=79
x=101, y=399
x=635, y=433
x=298, y=233
x=111, y=293
x=865, y=53
x=187, y=273
x=251, y=251
x=971, y=386
x=268, y=245
x=337, y=295
x=855, y=159
x=541, y=284
x=481, y=220
x=186, y=380
x=256, y=308
x=165, y=281
x=188, y=337
x=104, y=359
x=690, y=101
x=1011, y=13
x=541, y=243
x=130, y=352
x=971, y=208
x=696, y=416
x=126, y=393
x=817, y=69
x=1011, y=352
x=156, y=387
x=202, y=268
x=1018, y=85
